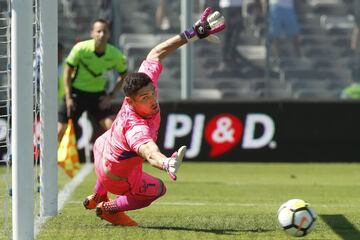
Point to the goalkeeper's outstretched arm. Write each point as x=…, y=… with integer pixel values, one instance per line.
x=162, y=50
x=150, y=151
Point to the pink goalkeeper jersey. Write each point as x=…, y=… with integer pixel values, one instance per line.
x=129, y=131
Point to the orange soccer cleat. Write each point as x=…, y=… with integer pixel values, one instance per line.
x=91, y=201
x=106, y=211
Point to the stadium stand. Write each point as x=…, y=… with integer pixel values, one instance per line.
x=208, y=93
x=3, y=54
x=325, y=37
x=317, y=94
x=325, y=29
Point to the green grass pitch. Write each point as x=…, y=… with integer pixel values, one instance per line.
x=226, y=201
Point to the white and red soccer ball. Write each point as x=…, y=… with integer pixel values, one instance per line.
x=297, y=217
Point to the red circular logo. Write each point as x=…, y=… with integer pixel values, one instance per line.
x=223, y=132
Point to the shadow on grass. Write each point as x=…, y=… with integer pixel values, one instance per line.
x=215, y=231
x=341, y=226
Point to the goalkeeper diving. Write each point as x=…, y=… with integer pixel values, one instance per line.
x=120, y=152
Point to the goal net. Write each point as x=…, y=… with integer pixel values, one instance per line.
x=28, y=103
x=5, y=116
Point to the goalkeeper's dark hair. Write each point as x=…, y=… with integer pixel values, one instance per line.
x=134, y=82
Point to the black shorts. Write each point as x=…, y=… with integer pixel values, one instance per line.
x=84, y=101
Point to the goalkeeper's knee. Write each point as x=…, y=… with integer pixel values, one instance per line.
x=162, y=189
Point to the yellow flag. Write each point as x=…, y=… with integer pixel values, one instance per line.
x=68, y=157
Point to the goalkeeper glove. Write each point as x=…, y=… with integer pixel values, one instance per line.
x=172, y=164
x=206, y=27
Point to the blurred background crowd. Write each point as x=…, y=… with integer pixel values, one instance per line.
x=272, y=49
x=287, y=49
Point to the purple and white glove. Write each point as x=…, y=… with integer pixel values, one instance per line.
x=172, y=164
x=206, y=27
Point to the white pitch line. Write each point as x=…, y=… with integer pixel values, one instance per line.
x=210, y=204
x=68, y=189
x=242, y=204
x=65, y=194
x=233, y=204
x=194, y=204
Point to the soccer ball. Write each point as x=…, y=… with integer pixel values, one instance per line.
x=296, y=217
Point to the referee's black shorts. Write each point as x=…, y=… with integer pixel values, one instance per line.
x=84, y=101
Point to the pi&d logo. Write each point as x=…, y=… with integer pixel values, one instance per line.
x=222, y=132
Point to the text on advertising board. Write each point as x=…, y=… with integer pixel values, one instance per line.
x=222, y=132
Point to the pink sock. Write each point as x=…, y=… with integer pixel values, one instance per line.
x=127, y=203
x=99, y=189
